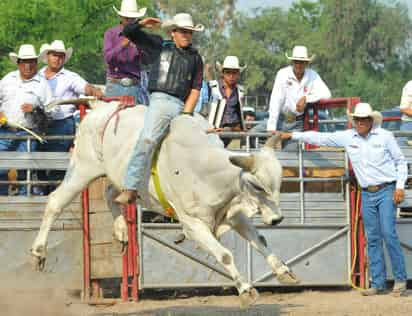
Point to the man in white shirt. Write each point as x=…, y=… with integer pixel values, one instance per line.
x=22, y=93
x=406, y=110
x=295, y=87
x=64, y=85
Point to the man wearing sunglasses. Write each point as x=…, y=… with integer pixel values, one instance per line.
x=174, y=85
x=381, y=171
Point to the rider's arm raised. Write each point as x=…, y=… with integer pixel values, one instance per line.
x=151, y=44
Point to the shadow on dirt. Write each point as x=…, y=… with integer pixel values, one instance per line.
x=257, y=310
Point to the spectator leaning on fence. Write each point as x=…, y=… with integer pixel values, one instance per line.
x=295, y=87
x=381, y=171
x=64, y=85
x=23, y=94
x=124, y=59
x=174, y=85
x=406, y=110
x=227, y=96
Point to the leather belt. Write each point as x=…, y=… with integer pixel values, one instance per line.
x=376, y=188
x=290, y=117
x=125, y=82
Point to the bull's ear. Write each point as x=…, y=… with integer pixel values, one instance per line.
x=247, y=163
x=274, y=141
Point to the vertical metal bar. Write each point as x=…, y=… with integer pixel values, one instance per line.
x=139, y=245
x=247, y=143
x=249, y=263
x=28, y=171
x=86, y=232
x=348, y=219
x=301, y=184
x=86, y=245
x=125, y=265
x=134, y=285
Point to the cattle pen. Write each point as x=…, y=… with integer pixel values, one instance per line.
x=321, y=237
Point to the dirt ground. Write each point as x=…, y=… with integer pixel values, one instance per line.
x=38, y=301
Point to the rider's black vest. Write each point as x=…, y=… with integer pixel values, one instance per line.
x=174, y=70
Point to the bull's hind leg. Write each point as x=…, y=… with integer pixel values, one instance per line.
x=244, y=228
x=200, y=232
x=77, y=177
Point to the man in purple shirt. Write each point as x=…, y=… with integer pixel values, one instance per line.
x=123, y=58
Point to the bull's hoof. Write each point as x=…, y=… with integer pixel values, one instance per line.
x=288, y=278
x=179, y=238
x=38, y=263
x=248, y=297
x=127, y=197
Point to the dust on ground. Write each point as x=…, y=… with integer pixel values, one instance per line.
x=35, y=300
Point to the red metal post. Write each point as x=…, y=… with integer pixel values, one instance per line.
x=86, y=232
x=125, y=263
x=134, y=251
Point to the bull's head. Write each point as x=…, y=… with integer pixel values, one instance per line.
x=261, y=181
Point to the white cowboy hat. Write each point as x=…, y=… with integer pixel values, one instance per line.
x=363, y=110
x=300, y=53
x=182, y=21
x=56, y=46
x=129, y=9
x=230, y=62
x=26, y=51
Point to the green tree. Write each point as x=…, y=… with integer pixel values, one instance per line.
x=79, y=23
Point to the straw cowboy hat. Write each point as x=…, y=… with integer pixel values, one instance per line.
x=26, y=51
x=56, y=46
x=230, y=62
x=129, y=9
x=300, y=53
x=182, y=21
x=363, y=110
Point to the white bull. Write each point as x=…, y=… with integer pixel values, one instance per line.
x=211, y=189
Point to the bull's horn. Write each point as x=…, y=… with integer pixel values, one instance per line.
x=273, y=141
x=55, y=103
x=245, y=162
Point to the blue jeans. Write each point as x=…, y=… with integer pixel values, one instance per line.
x=137, y=91
x=14, y=145
x=379, y=218
x=163, y=108
x=405, y=126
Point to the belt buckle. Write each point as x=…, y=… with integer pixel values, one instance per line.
x=290, y=117
x=373, y=188
x=126, y=82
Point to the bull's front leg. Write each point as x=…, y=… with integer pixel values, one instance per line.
x=241, y=225
x=200, y=232
x=39, y=247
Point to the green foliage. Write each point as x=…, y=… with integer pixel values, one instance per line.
x=79, y=23
x=362, y=47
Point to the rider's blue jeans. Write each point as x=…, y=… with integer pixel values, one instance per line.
x=162, y=109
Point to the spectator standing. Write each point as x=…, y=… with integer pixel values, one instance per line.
x=381, y=171
x=124, y=75
x=64, y=85
x=22, y=93
x=406, y=110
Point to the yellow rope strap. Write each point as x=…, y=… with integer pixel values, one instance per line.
x=158, y=188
